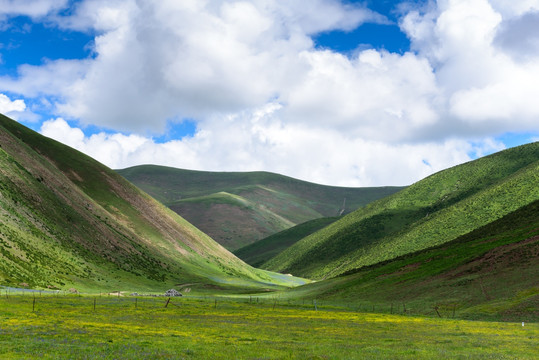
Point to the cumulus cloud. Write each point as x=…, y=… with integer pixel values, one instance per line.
x=264, y=97
x=374, y=95
x=11, y=108
x=110, y=149
x=163, y=60
x=519, y=36
x=32, y=8
x=52, y=79
x=486, y=90
x=254, y=141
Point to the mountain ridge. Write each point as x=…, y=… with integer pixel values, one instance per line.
x=67, y=220
x=422, y=215
x=258, y=203
x=489, y=273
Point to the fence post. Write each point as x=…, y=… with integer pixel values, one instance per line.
x=167, y=302
x=94, y=303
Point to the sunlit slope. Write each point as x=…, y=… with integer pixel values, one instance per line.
x=66, y=219
x=491, y=272
x=263, y=250
x=235, y=220
x=433, y=211
x=239, y=208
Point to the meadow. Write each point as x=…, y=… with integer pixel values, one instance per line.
x=111, y=327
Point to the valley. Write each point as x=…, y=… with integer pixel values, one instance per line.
x=237, y=209
x=67, y=221
x=459, y=245
x=191, y=328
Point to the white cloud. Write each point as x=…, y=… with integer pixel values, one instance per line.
x=376, y=95
x=254, y=141
x=513, y=8
x=6, y=105
x=164, y=60
x=32, y=8
x=519, y=36
x=264, y=97
x=11, y=108
x=54, y=78
x=487, y=91
x=110, y=149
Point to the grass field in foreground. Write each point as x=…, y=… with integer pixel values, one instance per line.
x=142, y=328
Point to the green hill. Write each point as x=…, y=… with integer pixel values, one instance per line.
x=263, y=250
x=491, y=272
x=237, y=209
x=433, y=211
x=67, y=220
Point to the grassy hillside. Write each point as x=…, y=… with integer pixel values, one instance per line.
x=67, y=220
x=237, y=209
x=433, y=211
x=491, y=272
x=263, y=250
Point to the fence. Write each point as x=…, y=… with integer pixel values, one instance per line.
x=97, y=301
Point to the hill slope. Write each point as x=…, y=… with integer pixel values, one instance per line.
x=491, y=272
x=67, y=220
x=237, y=209
x=263, y=250
x=433, y=211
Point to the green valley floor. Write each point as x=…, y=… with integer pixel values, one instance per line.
x=107, y=327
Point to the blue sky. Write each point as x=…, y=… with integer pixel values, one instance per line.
x=28, y=42
x=386, y=36
x=325, y=93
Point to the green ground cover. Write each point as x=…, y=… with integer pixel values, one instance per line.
x=490, y=273
x=55, y=327
x=239, y=208
x=431, y=212
x=259, y=252
x=67, y=221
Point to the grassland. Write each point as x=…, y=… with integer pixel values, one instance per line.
x=237, y=209
x=431, y=212
x=56, y=327
x=68, y=221
x=490, y=273
x=256, y=254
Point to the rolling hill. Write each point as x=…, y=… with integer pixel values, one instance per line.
x=431, y=212
x=68, y=221
x=237, y=209
x=256, y=254
x=489, y=273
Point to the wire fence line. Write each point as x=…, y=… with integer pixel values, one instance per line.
x=99, y=301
